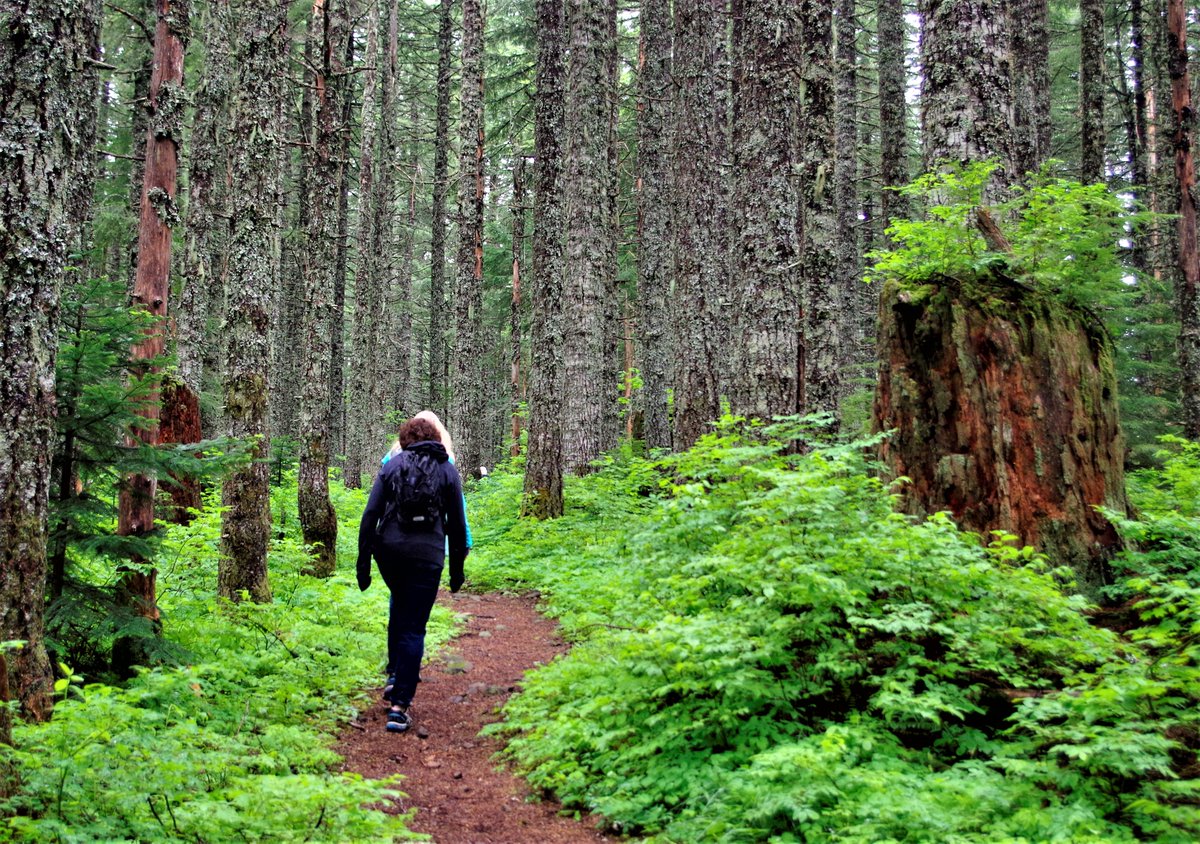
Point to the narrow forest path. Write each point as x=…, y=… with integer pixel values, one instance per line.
x=450, y=774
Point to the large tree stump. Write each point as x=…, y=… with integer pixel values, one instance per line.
x=1004, y=410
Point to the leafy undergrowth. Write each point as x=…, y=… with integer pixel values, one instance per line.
x=767, y=652
x=235, y=744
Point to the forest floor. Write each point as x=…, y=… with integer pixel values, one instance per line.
x=451, y=776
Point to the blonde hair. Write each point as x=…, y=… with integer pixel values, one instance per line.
x=443, y=434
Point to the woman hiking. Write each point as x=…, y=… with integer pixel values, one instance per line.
x=414, y=516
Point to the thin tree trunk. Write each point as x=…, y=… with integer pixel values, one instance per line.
x=655, y=223
x=893, y=109
x=405, y=351
x=136, y=587
x=329, y=23
x=543, y=490
x=1187, y=287
x=246, y=522
x=385, y=367
x=341, y=261
x=361, y=441
x=514, y=316
x=845, y=195
x=467, y=392
x=207, y=161
x=441, y=167
x=1091, y=91
x=699, y=36
x=824, y=312
x=767, y=358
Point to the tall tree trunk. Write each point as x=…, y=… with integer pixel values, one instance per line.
x=1188, y=280
x=441, y=168
x=514, y=316
x=1005, y=413
x=966, y=91
x=699, y=36
x=543, y=491
x=151, y=291
x=288, y=340
x=1091, y=91
x=767, y=358
x=893, y=109
x=141, y=14
x=384, y=365
x=1030, y=38
x=330, y=24
x=362, y=444
x=854, y=353
x=49, y=89
x=338, y=437
x=468, y=418
x=655, y=224
x=206, y=183
x=824, y=312
x=589, y=381
x=404, y=350
x=246, y=522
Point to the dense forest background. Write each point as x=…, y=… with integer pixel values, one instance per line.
x=243, y=239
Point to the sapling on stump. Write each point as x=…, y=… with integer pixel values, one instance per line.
x=1002, y=400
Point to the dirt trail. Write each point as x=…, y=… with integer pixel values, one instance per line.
x=450, y=775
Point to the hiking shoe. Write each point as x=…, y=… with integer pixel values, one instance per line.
x=387, y=690
x=398, y=719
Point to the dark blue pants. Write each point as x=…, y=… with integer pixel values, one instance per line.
x=413, y=583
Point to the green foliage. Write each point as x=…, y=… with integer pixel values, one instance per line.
x=1071, y=242
x=767, y=652
x=102, y=395
x=235, y=745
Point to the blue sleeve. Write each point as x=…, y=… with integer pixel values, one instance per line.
x=467, y=523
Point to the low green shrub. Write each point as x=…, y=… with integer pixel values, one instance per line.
x=235, y=745
x=768, y=652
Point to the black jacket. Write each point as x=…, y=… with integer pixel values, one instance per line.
x=393, y=540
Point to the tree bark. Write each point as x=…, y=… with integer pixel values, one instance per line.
x=361, y=440
x=966, y=91
x=206, y=169
x=404, y=349
x=338, y=436
x=318, y=524
x=136, y=586
x=588, y=371
x=441, y=167
x=384, y=364
x=543, y=490
x=1004, y=408
x=699, y=37
x=854, y=355
x=655, y=220
x=823, y=300
x=767, y=357
x=514, y=316
x=1188, y=280
x=44, y=52
x=1091, y=91
x=1030, y=38
x=893, y=109
x=246, y=522
x=467, y=392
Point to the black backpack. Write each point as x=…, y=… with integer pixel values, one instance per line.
x=413, y=490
